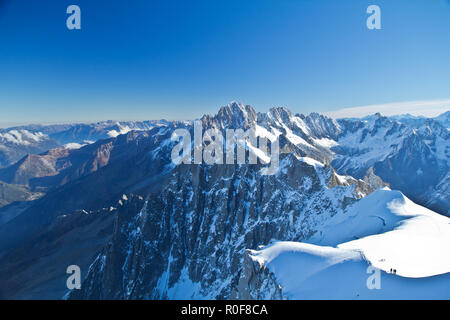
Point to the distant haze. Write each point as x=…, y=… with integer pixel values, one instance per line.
x=429, y=109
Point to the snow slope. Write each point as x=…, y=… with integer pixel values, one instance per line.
x=385, y=230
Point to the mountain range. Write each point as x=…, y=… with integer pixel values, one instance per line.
x=107, y=197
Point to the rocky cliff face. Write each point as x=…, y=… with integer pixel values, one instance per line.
x=257, y=282
x=195, y=231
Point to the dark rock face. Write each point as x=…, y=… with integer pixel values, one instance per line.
x=194, y=232
x=233, y=116
x=257, y=282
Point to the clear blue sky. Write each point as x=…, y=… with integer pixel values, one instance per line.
x=151, y=59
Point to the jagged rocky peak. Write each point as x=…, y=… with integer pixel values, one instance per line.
x=281, y=114
x=322, y=126
x=377, y=115
x=382, y=121
x=432, y=127
x=232, y=116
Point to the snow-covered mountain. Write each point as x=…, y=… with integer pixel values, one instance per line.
x=412, y=158
x=16, y=142
x=168, y=231
x=410, y=153
x=444, y=119
x=408, y=243
x=190, y=237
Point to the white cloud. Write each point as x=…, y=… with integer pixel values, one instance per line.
x=430, y=108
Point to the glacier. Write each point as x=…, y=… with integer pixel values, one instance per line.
x=407, y=242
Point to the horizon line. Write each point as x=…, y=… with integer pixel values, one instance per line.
x=417, y=108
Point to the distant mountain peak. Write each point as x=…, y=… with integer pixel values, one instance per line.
x=281, y=114
x=234, y=115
